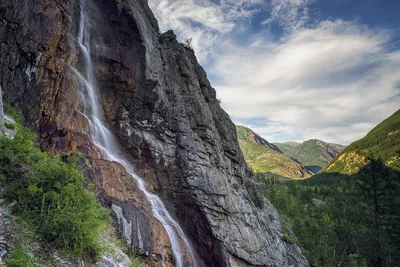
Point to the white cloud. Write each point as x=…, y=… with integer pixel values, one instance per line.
x=203, y=21
x=290, y=15
x=327, y=82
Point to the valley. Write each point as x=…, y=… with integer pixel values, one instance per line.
x=347, y=214
x=293, y=160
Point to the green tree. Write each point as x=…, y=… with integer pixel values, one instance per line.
x=379, y=188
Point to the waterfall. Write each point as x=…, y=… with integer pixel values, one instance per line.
x=105, y=141
x=1, y=112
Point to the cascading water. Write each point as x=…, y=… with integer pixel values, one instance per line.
x=105, y=141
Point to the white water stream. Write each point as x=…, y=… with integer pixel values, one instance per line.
x=105, y=141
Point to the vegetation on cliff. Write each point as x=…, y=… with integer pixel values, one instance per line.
x=50, y=194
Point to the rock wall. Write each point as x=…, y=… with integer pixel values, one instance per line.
x=1, y=112
x=160, y=105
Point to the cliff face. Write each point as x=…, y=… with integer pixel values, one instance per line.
x=158, y=102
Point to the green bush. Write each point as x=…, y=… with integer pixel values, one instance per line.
x=18, y=257
x=15, y=113
x=9, y=126
x=52, y=195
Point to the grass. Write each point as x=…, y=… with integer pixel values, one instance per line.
x=289, y=239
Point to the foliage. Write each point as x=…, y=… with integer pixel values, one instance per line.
x=288, y=238
x=15, y=113
x=18, y=257
x=10, y=126
x=51, y=194
x=342, y=220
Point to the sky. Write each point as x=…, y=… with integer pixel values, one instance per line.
x=294, y=70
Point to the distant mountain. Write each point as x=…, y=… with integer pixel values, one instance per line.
x=313, y=154
x=266, y=157
x=381, y=142
x=287, y=146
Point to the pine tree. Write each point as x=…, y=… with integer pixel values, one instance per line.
x=380, y=190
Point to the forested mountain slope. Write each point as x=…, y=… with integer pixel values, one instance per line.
x=314, y=154
x=264, y=157
x=382, y=142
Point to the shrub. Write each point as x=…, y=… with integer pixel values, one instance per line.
x=18, y=257
x=52, y=195
x=188, y=43
x=15, y=113
x=9, y=126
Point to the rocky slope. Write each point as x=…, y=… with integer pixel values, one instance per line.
x=158, y=102
x=264, y=157
x=382, y=142
x=314, y=154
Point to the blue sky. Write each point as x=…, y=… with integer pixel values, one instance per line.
x=296, y=69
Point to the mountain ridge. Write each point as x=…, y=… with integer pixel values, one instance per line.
x=287, y=146
x=382, y=142
x=265, y=157
x=314, y=154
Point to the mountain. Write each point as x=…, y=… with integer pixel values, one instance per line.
x=381, y=142
x=63, y=60
x=265, y=157
x=314, y=154
x=287, y=146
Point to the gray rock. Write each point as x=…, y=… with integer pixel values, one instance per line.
x=5, y=235
x=2, y=116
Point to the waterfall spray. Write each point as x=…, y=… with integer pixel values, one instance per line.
x=105, y=141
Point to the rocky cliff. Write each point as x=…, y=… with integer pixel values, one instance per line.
x=158, y=102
